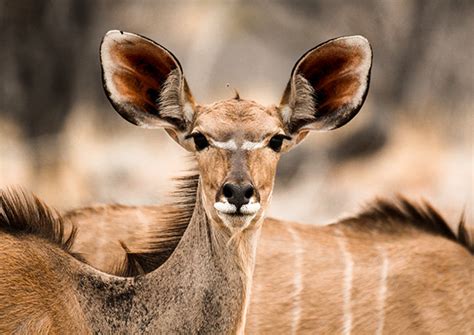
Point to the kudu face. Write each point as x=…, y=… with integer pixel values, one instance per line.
x=237, y=143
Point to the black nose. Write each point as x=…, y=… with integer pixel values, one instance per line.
x=238, y=195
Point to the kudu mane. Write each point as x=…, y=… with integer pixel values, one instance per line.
x=22, y=213
x=401, y=216
x=161, y=243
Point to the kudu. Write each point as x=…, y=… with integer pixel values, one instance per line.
x=392, y=268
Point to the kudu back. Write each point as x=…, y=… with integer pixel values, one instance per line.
x=395, y=252
x=392, y=268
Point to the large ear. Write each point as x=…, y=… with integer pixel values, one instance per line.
x=145, y=82
x=328, y=85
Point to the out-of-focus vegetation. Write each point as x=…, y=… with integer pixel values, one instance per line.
x=60, y=138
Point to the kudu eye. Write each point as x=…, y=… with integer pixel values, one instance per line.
x=200, y=141
x=276, y=142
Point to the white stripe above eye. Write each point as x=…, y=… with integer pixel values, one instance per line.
x=247, y=145
x=231, y=145
x=227, y=145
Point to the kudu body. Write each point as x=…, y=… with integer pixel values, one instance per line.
x=391, y=269
x=205, y=282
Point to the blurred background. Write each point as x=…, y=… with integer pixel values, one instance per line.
x=60, y=138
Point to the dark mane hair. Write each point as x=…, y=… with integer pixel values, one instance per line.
x=397, y=216
x=159, y=246
x=22, y=213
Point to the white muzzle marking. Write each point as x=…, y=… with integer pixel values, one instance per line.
x=250, y=209
x=226, y=208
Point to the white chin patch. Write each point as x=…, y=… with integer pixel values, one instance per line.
x=228, y=213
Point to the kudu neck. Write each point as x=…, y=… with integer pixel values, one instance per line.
x=203, y=287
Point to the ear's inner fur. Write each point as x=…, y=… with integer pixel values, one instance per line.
x=328, y=85
x=144, y=81
x=331, y=72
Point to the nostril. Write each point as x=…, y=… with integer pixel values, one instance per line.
x=227, y=191
x=248, y=192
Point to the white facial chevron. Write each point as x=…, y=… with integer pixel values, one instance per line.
x=232, y=145
x=227, y=145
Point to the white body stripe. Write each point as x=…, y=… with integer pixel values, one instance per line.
x=297, y=280
x=347, y=284
x=382, y=292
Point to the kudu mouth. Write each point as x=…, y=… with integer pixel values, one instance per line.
x=237, y=203
x=236, y=218
x=230, y=209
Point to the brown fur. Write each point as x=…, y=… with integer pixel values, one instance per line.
x=378, y=272
x=151, y=250
x=465, y=235
x=25, y=214
x=412, y=237
x=32, y=242
x=42, y=288
x=427, y=290
x=154, y=231
x=398, y=217
x=340, y=278
x=33, y=300
x=130, y=227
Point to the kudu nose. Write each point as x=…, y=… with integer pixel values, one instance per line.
x=238, y=195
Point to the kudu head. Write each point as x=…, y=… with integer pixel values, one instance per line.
x=237, y=143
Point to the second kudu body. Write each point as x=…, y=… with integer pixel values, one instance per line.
x=205, y=284
x=382, y=271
